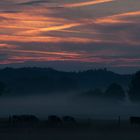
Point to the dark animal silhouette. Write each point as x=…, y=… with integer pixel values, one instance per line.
x=134, y=120
x=24, y=119
x=69, y=119
x=54, y=120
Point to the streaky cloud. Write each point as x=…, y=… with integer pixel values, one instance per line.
x=86, y=3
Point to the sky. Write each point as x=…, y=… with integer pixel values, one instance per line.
x=70, y=34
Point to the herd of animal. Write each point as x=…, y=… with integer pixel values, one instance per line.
x=134, y=120
x=56, y=120
x=32, y=119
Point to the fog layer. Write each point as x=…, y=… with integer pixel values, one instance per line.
x=64, y=104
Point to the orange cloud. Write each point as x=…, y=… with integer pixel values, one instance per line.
x=20, y=56
x=47, y=39
x=7, y=46
x=118, y=18
x=42, y=25
x=27, y=24
x=51, y=28
x=45, y=52
x=86, y=3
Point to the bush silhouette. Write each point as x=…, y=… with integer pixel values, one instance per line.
x=115, y=91
x=134, y=88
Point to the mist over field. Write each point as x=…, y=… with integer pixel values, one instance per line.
x=67, y=104
x=94, y=94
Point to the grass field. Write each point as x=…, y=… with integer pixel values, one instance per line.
x=98, y=130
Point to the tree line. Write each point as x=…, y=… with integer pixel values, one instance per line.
x=115, y=90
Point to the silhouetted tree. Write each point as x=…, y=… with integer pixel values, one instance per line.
x=45, y=80
x=134, y=88
x=2, y=88
x=115, y=91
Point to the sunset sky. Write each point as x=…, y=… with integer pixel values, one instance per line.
x=70, y=34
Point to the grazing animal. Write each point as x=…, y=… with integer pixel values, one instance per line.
x=53, y=119
x=134, y=120
x=69, y=119
x=24, y=119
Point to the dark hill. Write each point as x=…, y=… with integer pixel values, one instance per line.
x=45, y=80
